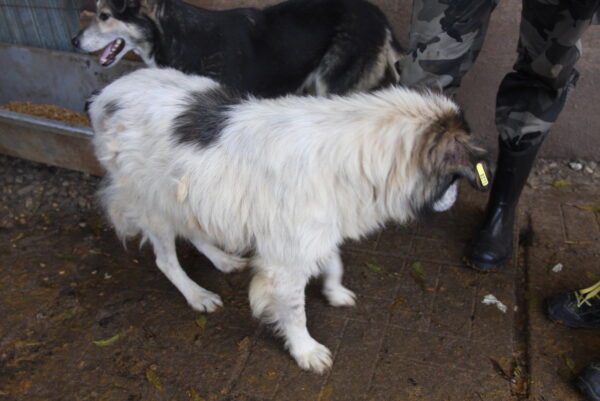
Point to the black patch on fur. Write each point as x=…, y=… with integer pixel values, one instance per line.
x=111, y=108
x=205, y=117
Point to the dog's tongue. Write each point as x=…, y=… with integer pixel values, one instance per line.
x=107, y=57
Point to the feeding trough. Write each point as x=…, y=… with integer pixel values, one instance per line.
x=57, y=78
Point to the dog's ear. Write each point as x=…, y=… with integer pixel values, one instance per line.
x=467, y=158
x=456, y=152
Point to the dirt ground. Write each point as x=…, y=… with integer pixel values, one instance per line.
x=84, y=318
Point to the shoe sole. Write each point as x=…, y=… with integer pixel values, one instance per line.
x=486, y=267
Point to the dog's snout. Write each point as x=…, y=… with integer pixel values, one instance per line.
x=75, y=41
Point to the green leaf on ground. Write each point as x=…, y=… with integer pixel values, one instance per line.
x=64, y=316
x=418, y=268
x=194, y=396
x=201, y=322
x=592, y=276
x=64, y=256
x=561, y=184
x=108, y=341
x=376, y=269
x=570, y=364
x=153, y=379
x=418, y=273
x=326, y=394
x=589, y=208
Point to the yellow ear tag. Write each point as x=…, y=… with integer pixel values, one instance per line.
x=482, y=176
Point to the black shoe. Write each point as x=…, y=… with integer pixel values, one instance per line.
x=579, y=309
x=588, y=382
x=492, y=247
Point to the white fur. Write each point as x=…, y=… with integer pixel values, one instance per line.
x=289, y=179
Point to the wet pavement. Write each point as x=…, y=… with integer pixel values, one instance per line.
x=84, y=318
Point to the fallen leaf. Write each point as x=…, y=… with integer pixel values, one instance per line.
x=64, y=316
x=397, y=303
x=579, y=242
x=108, y=341
x=589, y=208
x=499, y=369
x=18, y=237
x=153, y=379
x=64, y=256
x=418, y=268
x=326, y=393
x=201, y=322
x=592, y=276
x=194, y=396
x=561, y=184
x=96, y=227
x=376, y=269
x=243, y=344
x=570, y=364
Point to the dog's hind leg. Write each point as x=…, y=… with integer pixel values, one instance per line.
x=334, y=291
x=166, y=259
x=277, y=296
x=223, y=261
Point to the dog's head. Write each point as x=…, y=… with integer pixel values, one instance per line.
x=120, y=26
x=448, y=152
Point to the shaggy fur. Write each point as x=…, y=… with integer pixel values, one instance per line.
x=286, y=180
x=302, y=46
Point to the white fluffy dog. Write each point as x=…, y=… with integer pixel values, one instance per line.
x=285, y=180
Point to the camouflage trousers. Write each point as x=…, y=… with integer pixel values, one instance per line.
x=447, y=35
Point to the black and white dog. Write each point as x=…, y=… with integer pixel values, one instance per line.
x=287, y=179
x=298, y=46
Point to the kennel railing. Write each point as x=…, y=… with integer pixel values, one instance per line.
x=49, y=24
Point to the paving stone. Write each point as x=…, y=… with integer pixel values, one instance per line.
x=581, y=225
x=446, y=251
x=355, y=360
x=377, y=281
x=454, y=304
x=418, y=332
x=489, y=323
x=406, y=380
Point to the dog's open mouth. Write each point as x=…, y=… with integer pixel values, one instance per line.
x=110, y=52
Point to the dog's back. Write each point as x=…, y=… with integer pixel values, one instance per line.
x=297, y=46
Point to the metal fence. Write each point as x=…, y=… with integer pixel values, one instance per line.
x=48, y=24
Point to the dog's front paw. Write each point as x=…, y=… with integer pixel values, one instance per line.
x=316, y=358
x=340, y=296
x=205, y=301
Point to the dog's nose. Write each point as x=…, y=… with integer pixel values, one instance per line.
x=75, y=41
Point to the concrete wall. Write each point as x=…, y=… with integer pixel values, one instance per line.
x=577, y=132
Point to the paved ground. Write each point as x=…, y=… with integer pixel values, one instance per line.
x=85, y=319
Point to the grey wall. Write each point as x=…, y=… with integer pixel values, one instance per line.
x=577, y=132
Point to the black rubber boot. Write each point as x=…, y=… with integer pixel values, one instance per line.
x=493, y=245
x=588, y=382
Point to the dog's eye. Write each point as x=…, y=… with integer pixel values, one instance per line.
x=104, y=16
